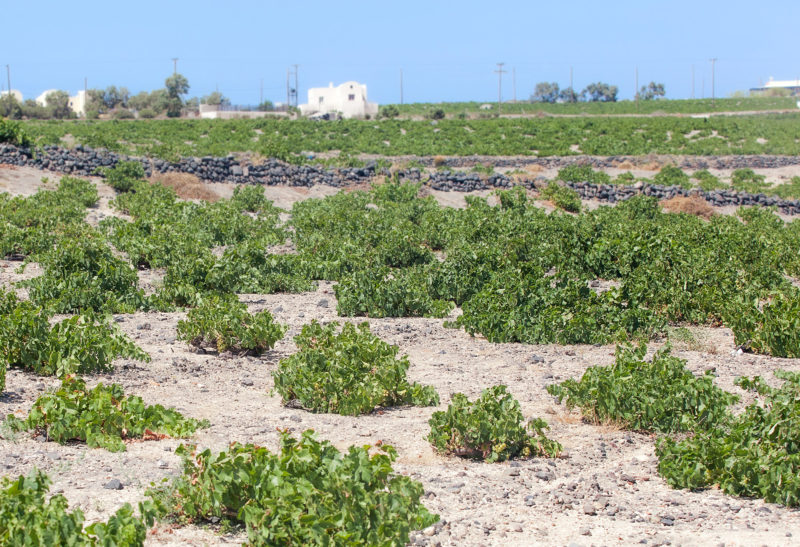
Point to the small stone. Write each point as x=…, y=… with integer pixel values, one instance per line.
x=544, y=475
x=113, y=484
x=55, y=456
x=588, y=508
x=536, y=359
x=667, y=521
x=323, y=303
x=247, y=382
x=143, y=326
x=513, y=472
x=296, y=418
x=586, y=531
x=162, y=464
x=530, y=501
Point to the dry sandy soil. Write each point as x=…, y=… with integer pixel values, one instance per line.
x=604, y=490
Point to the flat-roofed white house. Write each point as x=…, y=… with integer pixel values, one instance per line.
x=348, y=99
x=792, y=85
x=42, y=99
x=78, y=103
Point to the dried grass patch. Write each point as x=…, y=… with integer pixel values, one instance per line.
x=627, y=165
x=186, y=186
x=692, y=205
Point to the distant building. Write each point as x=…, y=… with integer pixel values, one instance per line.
x=78, y=103
x=348, y=99
x=41, y=100
x=14, y=93
x=792, y=85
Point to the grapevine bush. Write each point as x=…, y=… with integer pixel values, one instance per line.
x=223, y=322
x=755, y=454
x=102, y=417
x=351, y=372
x=659, y=395
x=491, y=428
x=30, y=516
x=78, y=344
x=308, y=494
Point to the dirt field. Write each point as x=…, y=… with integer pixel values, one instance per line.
x=604, y=490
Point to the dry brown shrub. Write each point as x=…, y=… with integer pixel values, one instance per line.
x=692, y=205
x=439, y=161
x=627, y=165
x=186, y=186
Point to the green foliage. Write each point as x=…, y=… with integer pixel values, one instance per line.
x=348, y=373
x=382, y=292
x=123, y=175
x=670, y=175
x=661, y=395
x=771, y=327
x=583, y=173
x=12, y=132
x=388, y=111
x=492, y=136
x=33, y=224
x=706, y=181
x=224, y=323
x=82, y=273
x=530, y=307
x=250, y=198
x=489, y=428
x=787, y=190
x=746, y=180
x=102, y=417
x=755, y=454
x=78, y=344
x=562, y=197
x=30, y=516
x=308, y=494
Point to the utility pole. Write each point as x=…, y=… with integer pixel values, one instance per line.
x=636, y=89
x=401, y=86
x=8, y=73
x=261, y=94
x=288, y=71
x=296, y=88
x=500, y=73
x=174, y=66
x=514, y=83
x=713, y=62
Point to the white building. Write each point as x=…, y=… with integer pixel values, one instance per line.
x=348, y=99
x=792, y=85
x=41, y=100
x=14, y=93
x=78, y=103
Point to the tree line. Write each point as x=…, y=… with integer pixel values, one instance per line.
x=549, y=92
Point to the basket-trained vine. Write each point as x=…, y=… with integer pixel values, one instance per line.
x=223, y=322
x=30, y=516
x=103, y=417
x=491, y=428
x=307, y=494
x=754, y=454
x=658, y=395
x=349, y=372
x=78, y=344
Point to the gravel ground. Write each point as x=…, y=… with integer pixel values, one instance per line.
x=604, y=490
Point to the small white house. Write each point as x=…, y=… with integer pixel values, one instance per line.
x=349, y=99
x=78, y=103
x=14, y=93
x=41, y=100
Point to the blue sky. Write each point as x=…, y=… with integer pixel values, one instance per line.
x=447, y=51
